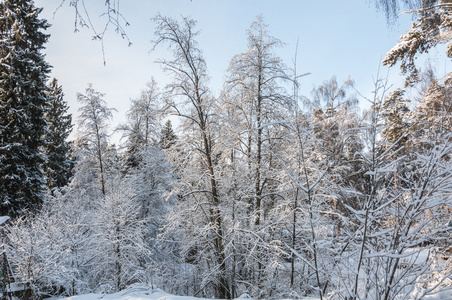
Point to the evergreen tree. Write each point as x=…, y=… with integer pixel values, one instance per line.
x=23, y=101
x=433, y=115
x=168, y=137
x=431, y=28
x=397, y=123
x=142, y=123
x=58, y=165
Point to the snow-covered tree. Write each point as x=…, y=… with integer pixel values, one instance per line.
x=431, y=28
x=119, y=250
x=146, y=165
x=306, y=210
x=152, y=181
x=253, y=100
x=433, y=114
x=141, y=129
x=167, y=136
x=384, y=255
x=397, y=124
x=58, y=164
x=48, y=250
x=256, y=76
x=335, y=125
x=93, y=124
x=330, y=96
x=23, y=101
x=189, y=97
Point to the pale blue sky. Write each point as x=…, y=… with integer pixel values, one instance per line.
x=342, y=38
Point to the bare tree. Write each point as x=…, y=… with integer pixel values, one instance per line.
x=111, y=15
x=256, y=75
x=189, y=72
x=254, y=98
x=93, y=123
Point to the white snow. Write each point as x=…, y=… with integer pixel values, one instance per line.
x=142, y=292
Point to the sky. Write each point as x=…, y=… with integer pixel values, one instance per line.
x=335, y=38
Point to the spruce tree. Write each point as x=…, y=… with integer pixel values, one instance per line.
x=168, y=137
x=23, y=101
x=141, y=129
x=57, y=149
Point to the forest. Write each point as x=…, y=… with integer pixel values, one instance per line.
x=256, y=190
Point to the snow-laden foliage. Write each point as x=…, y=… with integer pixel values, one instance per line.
x=121, y=252
x=141, y=129
x=93, y=125
x=189, y=97
x=432, y=27
x=58, y=164
x=23, y=102
x=85, y=241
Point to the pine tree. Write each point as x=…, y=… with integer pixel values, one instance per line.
x=431, y=28
x=58, y=164
x=23, y=101
x=433, y=115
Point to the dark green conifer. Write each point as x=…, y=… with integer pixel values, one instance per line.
x=57, y=149
x=23, y=102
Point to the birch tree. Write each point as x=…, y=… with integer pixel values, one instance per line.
x=93, y=124
x=189, y=97
x=255, y=98
x=257, y=75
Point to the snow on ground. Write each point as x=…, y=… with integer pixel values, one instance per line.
x=133, y=293
x=142, y=292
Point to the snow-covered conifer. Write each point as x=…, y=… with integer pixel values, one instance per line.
x=23, y=102
x=57, y=149
x=167, y=136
